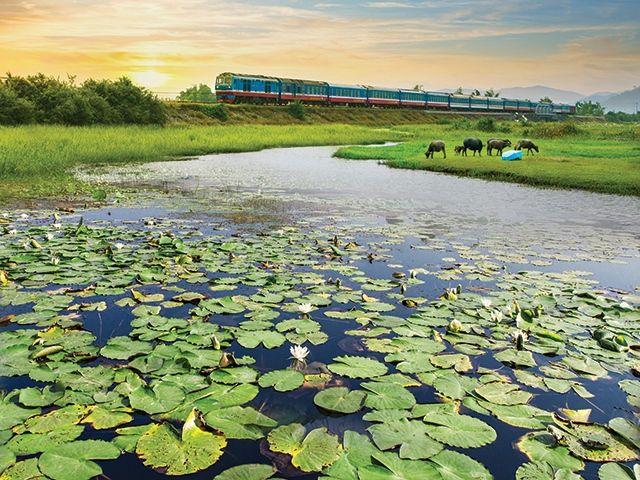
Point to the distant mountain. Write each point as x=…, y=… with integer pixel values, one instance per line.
x=537, y=92
x=628, y=101
x=600, y=97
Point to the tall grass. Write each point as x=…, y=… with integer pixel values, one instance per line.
x=41, y=153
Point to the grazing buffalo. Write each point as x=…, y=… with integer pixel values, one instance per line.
x=473, y=144
x=436, y=146
x=528, y=145
x=497, y=144
x=458, y=149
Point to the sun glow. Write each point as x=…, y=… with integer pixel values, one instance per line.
x=150, y=78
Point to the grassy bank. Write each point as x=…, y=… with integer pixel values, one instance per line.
x=37, y=160
x=596, y=157
x=193, y=113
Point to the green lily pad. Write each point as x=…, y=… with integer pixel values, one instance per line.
x=357, y=367
x=161, y=398
x=457, y=466
x=282, y=380
x=382, y=396
x=340, y=399
x=73, y=461
x=248, y=471
x=460, y=430
x=162, y=447
x=542, y=447
x=411, y=435
x=310, y=452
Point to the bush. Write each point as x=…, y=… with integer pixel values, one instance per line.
x=14, y=110
x=218, y=111
x=197, y=93
x=43, y=99
x=555, y=129
x=486, y=124
x=296, y=110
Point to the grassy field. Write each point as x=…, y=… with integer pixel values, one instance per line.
x=37, y=160
x=596, y=157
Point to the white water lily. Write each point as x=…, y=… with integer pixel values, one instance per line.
x=299, y=353
x=24, y=216
x=486, y=303
x=496, y=316
x=118, y=246
x=13, y=231
x=55, y=260
x=56, y=225
x=49, y=236
x=305, y=308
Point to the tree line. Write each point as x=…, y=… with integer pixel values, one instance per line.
x=49, y=100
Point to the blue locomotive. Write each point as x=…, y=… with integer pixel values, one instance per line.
x=238, y=88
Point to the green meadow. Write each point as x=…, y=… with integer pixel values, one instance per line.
x=39, y=160
x=596, y=157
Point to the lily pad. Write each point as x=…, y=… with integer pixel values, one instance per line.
x=340, y=399
x=282, y=380
x=310, y=452
x=162, y=447
x=357, y=367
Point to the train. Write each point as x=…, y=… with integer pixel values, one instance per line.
x=262, y=89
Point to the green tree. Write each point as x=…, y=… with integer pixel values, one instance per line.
x=418, y=87
x=198, y=93
x=491, y=93
x=475, y=93
x=546, y=100
x=458, y=91
x=589, y=108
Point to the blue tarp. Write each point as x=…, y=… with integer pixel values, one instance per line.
x=512, y=155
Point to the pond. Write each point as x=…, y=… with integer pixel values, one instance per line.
x=443, y=327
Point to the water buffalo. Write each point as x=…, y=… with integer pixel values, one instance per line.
x=436, y=146
x=528, y=145
x=497, y=144
x=473, y=144
x=458, y=149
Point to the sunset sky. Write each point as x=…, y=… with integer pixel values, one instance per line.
x=167, y=45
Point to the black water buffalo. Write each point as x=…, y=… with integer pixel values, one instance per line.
x=436, y=146
x=497, y=144
x=458, y=149
x=528, y=145
x=473, y=144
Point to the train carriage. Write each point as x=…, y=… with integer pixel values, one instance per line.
x=525, y=106
x=460, y=102
x=306, y=91
x=510, y=104
x=347, y=94
x=494, y=103
x=236, y=88
x=383, y=97
x=438, y=100
x=479, y=103
x=413, y=98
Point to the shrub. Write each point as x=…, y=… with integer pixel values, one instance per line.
x=555, y=129
x=486, y=124
x=198, y=93
x=219, y=111
x=296, y=110
x=43, y=99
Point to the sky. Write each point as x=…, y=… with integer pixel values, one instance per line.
x=167, y=45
